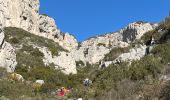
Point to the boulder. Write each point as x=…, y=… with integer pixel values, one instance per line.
x=40, y=82
x=16, y=77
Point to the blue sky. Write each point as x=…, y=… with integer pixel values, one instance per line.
x=87, y=18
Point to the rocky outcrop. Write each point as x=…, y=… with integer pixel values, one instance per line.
x=25, y=14
x=133, y=54
x=48, y=29
x=91, y=55
x=94, y=49
x=7, y=55
x=64, y=61
x=136, y=30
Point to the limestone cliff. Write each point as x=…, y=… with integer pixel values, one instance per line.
x=25, y=14
x=94, y=49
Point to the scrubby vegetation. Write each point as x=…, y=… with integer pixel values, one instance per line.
x=18, y=37
x=138, y=80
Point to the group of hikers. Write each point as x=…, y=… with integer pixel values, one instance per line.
x=63, y=91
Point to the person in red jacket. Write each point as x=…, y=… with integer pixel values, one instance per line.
x=61, y=93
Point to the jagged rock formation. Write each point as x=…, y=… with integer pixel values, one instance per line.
x=7, y=54
x=136, y=30
x=25, y=14
x=48, y=29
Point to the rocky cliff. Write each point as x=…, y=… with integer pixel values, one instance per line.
x=7, y=54
x=24, y=14
x=94, y=49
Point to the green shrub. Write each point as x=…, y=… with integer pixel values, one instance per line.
x=14, y=40
x=13, y=90
x=148, y=65
x=162, y=51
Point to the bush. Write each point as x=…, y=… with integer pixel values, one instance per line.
x=146, y=66
x=162, y=51
x=14, y=90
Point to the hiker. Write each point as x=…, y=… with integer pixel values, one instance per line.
x=61, y=93
x=87, y=82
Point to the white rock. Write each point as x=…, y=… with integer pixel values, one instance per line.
x=20, y=13
x=48, y=27
x=15, y=76
x=7, y=54
x=99, y=46
x=133, y=54
x=136, y=30
x=8, y=57
x=25, y=14
x=64, y=61
x=41, y=82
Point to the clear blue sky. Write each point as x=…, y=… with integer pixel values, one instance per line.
x=87, y=18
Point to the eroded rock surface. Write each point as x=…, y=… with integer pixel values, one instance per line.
x=7, y=54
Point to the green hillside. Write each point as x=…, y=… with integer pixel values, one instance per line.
x=139, y=80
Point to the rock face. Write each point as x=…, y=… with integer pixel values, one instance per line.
x=7, y=55
x=133, y=54
x=25, y=14
x=20, y=13
x=136, y=30
x=48, y=29
x=94, y=49
x=64, y=61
